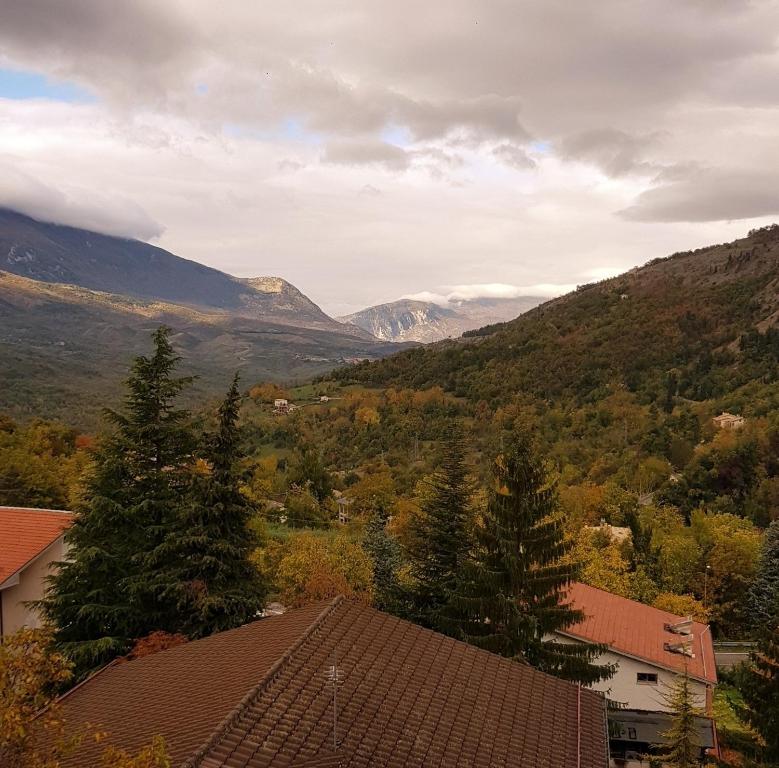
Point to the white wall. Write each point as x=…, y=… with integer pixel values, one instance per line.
x=31, y=586
x=624, y=689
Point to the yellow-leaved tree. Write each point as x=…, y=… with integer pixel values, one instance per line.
x=33, y=732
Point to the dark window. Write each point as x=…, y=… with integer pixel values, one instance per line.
x=646, y=677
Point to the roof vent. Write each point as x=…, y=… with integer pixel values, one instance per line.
x=683, y=627
x=684, y=647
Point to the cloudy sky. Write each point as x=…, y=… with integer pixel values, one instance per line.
x=371, y=149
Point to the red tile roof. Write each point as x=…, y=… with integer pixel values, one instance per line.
x=637, y=630
x=259, y=697
x=26, y=533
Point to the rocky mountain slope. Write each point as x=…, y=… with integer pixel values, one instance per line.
x=53, y=253
x=695, y=325
x=424, y=321
x=76, y=306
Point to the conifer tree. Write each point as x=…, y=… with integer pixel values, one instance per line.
x=384, y=553
x=441, y=535
x=512, y=592
x=101, y=598
x=203, y=564
x=764, y=595
x=760, y=689
x=682, y=748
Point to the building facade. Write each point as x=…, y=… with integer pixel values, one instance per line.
x=31, y=540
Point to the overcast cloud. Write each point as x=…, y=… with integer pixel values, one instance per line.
x=371, y=150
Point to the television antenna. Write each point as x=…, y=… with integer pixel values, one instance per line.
x=335, y=676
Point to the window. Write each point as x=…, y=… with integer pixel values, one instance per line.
x=647, y=678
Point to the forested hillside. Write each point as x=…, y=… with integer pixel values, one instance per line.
x=696, y=325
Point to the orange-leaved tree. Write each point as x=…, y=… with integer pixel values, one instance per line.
x=33, y=732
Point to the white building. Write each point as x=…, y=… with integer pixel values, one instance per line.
x=30, y=541
x=649, y=648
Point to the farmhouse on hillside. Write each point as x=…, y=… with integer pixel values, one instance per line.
x=30, y=541
x=339, y=683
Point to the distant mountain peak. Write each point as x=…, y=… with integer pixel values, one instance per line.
x=269, y=284
x=428, y=321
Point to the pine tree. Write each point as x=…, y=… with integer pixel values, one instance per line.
x=101, y=599
x=682, y=748
x=202, y=567
x=384, y=553
x=441, y=535
x=512, y=592
x=760, y=689
x=764, y=594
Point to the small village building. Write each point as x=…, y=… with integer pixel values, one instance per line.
x=339, y=683
x=30, y=541
x=650, y=648
x=729, y=421
x=281, y=405
x=344, y=504
x=324, y=399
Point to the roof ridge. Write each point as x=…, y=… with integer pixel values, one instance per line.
x=37, y=509
x=222, y=729
x=91, y=676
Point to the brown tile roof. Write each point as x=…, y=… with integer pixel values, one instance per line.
x=259, y=697
x=183, y=693
x=25, y=534
x=638, y=630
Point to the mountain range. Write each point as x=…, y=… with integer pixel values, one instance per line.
x=75, y=306
x=426, y=321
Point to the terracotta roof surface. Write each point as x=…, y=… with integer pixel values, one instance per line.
x=183, y=693
x=638, y=630
x=260, y=696
x=25, y=533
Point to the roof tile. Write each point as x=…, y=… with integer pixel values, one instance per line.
x=26, y=533
x=260, y=697
x=639, y=630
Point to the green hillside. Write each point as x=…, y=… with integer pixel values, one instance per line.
x=695, y=325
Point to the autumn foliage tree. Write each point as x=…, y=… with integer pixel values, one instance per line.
x=29, y=677
x=33, y=732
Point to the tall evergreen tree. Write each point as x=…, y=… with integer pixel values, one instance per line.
x=512, y=592
x=203, y=564
x=682, y=747
x=441, y=535
x=101, y=599
x=384, y=553
x=764, y=594
x=760, y=689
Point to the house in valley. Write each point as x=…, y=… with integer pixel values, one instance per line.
x=650, y=648
x=339, y=684
x=30, y=541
